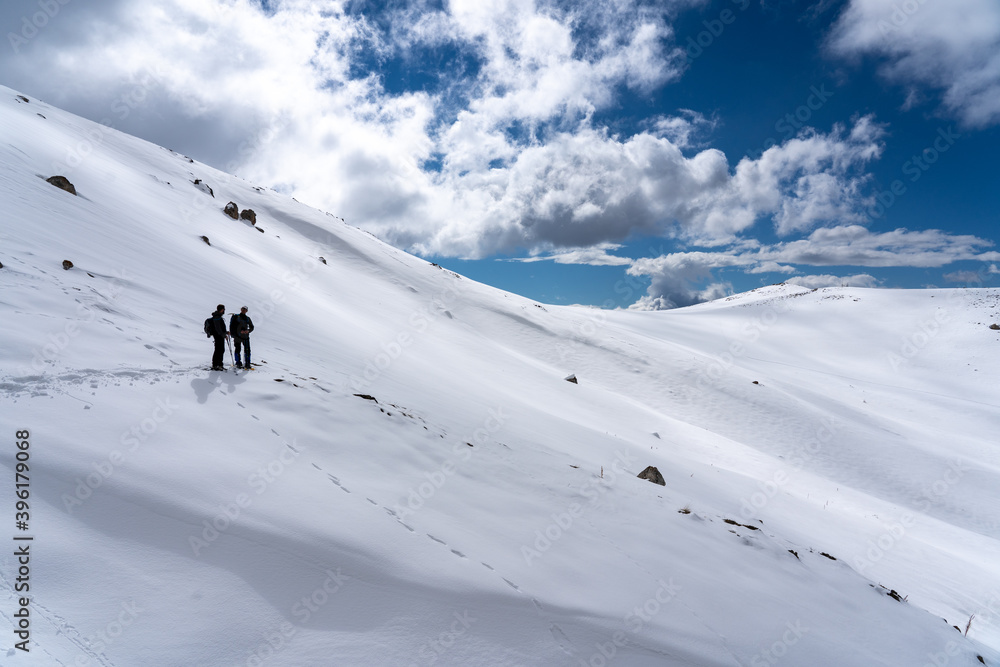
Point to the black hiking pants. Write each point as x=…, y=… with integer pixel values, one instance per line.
x=220, y=351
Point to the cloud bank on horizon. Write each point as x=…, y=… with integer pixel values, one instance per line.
x=475, y=128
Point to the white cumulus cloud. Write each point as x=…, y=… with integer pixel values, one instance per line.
x=949, y=47
x=682, y=278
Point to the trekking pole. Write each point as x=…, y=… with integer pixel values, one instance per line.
x=230, y=351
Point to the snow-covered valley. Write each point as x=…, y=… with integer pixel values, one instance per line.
x=408, y=479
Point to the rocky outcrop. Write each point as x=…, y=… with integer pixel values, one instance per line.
x=249, y=215
x=203, y=186
x=653, y=475
x=62, y=183
x=232, y=210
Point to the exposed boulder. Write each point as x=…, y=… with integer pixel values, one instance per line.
x=232, y=210
x=249, y=215
x=205, y=239
x=67, y=264
x=62, y=183
x=995, y=327
x=653, y=475
x=203, y=186
x=22, y=98
x=571, y=378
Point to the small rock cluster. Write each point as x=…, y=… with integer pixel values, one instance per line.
x=233, y=211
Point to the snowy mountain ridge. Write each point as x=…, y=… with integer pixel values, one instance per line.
x=407, y=479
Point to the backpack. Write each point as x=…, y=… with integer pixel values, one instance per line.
x=209, y=327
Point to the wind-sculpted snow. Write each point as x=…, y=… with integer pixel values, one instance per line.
x=407, y=479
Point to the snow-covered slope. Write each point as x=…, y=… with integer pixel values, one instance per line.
x=407, y=479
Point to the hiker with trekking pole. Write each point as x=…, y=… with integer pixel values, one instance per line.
x=240, y=327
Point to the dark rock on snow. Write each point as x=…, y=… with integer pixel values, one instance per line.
x=67, y=264
x=653, y=475
x=249, y=215
x=62, y=183
x=232, y=210
x=203, y=186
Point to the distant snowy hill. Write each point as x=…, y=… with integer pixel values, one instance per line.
x=407, y=479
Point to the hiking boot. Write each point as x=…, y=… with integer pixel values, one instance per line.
x=239, y=365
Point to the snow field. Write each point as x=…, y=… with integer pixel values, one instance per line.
x=274, y=517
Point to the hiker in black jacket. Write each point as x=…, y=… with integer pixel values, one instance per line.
x=217, y=328
x=240, y=327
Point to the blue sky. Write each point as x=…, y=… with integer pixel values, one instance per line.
x=763, y=78
x=622, y=154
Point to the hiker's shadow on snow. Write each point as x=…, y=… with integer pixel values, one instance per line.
x=215, y=380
